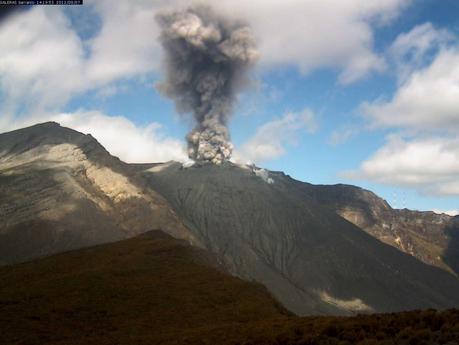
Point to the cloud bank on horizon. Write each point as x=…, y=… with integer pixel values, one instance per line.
x=54, y=57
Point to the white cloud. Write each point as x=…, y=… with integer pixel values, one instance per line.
x=411, y=50
x=446, y=189
x=316, y=34
x=120, y=136
x=430, y=165
x=425, y=105
x=127, y=43
x=271, y=139
x=449, y=212
x=44, y=62
x=427, y=98
x=41, y=60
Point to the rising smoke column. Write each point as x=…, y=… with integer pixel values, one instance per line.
x=207, y=58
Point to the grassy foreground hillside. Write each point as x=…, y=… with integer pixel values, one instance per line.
x=154, y=289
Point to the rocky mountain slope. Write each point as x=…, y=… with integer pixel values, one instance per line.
x=60, y=190
x=430, y=237
x=264, y=228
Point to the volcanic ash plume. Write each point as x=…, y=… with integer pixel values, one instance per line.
x=207, y=58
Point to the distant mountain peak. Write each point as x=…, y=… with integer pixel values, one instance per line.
x=44, y=134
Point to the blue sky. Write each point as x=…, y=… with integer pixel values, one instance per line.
x=345, y=99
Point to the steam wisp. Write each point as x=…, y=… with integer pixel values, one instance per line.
x=207, y=58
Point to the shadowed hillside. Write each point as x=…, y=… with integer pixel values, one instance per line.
x=154, y=289
x=451, y=254
x=152, y=286
x=428, y=236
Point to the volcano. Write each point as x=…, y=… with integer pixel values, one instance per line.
x=313, y=260
x=62, y=190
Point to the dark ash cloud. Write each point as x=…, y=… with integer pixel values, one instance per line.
x=207, y=57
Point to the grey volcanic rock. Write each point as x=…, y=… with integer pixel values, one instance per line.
x=61, y=190
x=313, y=260
x=428, y=236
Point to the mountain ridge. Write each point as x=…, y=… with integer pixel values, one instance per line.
x=62, y=190
x=426, y=235
x=68, y=192
x=307, y=255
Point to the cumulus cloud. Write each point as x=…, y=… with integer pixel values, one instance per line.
x=413, y=49
x=445, y=189
x=127, y=44
x=427, y=99
x=425, y=107
x=315, y=34
x=415, y=162
x=124, y=139
x=431, y=165
x=41, y=60
x=120, y=136
x=45, y=61
x=272, y=138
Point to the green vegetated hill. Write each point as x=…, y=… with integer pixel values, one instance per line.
x=154, y=289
